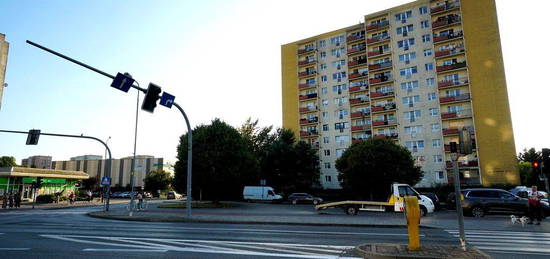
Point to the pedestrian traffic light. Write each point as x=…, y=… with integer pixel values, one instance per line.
x=32, y=137
x=465, y=141
x=546, y=161
x=151, y=97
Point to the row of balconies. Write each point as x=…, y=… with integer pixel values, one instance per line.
x=309, y=133
x=359, y=114
x=456, y=98
x=352, y=38
x=461, y=164
x=448, y=52
x=453, y=66
x=381, y=79
x=380, y=38
x=448, y=36
x=306, y=73
x=444, y=7
x=383, y=136
x=360, y=127
x=381, y=94
x=306, y=85
x=306, y=62
x=453, y=131
x=358, y=101
x=305, y=50
x=308, y=109
x=379, y=66
x=378, y=52
x=357, y=62
x=450, y=83
x=309, y=121
x=456, y=115
x=384, y=123
x=357, y=49
x=446, y=20
x=308, y=96
x=381, y=108
x=358, y=88
x=357, y=75
x=374, y=26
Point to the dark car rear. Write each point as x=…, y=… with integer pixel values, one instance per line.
x=481, y=201
x=296, y=198
x=434, y=198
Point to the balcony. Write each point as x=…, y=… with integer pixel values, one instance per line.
x=374, y=95
x=306, y=85
x=456, y=115
x=374, y=26
x=444, y=7
x=378, y=39
x=383, y=136
x=380, y=66
x=358, y=75
x=356, y=49
x=309, y=121
x=308, y=96
x=379, y=80
x=451, y=83
x=306, y=62
x=445, y=37
x=384, y=123
x=451, y=67
x=457, y=98
x=355, y=115
x=310, y=133
x=377, y=53
x=358, y=88
x=448, y=52
x=357, y=62
x=308, y=109
x=306, y=73
x=450, y=131
x=357, y=101
x=353, y=38
x=305, y=50
x=360, y=128
x=461, y=164
x=446, y=20
x=387, y=107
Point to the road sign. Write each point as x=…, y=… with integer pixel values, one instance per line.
x=122, y=82
x=167, y=99
x=32, y=137
x=105, y=181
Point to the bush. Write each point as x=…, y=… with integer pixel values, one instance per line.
x=45, y=198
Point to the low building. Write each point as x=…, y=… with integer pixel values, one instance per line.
x=20, y=180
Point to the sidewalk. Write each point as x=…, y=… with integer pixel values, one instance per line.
x=62, y=205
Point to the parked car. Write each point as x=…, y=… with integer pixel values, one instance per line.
x=174, y=195
x=115, y=195
x=524, y=192
x=434, y=199
x=481, y=201
x=296, y=198
x=260, y=193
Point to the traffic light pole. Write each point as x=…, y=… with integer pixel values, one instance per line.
x=107, y=172
x=189, y=133
x=459, y=213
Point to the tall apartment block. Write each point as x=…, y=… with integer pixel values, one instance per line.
x=418, y=74
x=4, y=46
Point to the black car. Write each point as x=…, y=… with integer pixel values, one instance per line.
x=434, y=198
x=296, y=198
x=481, y=201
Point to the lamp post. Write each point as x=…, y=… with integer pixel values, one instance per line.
x=132, y=174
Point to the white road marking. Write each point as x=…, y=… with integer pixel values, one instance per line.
x=13, y=249
x=124, y=250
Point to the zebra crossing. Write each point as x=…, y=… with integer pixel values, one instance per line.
x=508, y=242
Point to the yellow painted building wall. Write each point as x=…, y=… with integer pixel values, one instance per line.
x=492, y=119
x=289, y=68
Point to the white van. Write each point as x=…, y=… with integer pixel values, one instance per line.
x=260, y=193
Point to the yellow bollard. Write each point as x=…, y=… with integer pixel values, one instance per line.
x=413, y=222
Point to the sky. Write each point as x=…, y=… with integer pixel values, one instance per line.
x=220, y=58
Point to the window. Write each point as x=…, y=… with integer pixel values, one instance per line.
x=426, y=38
x=409, y=85
x=423, y=10
x=405, y=29
x=337, y=40
x=413, y=129
x=427, y=52
x=327, y=165
x=339, y=152
x=324, y=90
x=322, y=43
x=407, y=57
x=339, y=88
x=325, y=115
x=411, y=99
x=436, y=142
x=323, y=78
x=339, y=75
x=341, y=113
x=341, y=125
x=429, y=66
x=407, y=72
x=341, y=139
x=438, y=159
x=326, y=140
x=325, y=127
x=440, y=175
x=434, y=111
x=405, y=43
x=430, y=81
x=323, y=66
x=456, y=108
x=403, y=16
x=435, y=127
x=339, y=63
x=328, y=178
x=414, y=145
x=323, y=54
x=340, y=101
x=451, y=93
x=327, y=152
x=412, y=115
x=425, y=24
x=324, y=102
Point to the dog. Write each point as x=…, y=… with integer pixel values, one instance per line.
x=521, y=220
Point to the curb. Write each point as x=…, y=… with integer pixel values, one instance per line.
x=396, y=251
x=182, y=219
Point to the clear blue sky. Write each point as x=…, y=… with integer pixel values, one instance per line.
x=219, y=58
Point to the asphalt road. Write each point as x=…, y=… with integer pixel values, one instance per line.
x=69, y=233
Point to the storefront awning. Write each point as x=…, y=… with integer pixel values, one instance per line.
x=35, y=172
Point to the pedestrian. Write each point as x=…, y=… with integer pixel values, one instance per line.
x=140, y=200
x=5, y=200
x=535, y=208
x=10, y=200
x=90, y=196
x=17, y=200
x=71, y=198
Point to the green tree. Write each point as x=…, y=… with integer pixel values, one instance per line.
x=222, y=162
x=258, y=140
x=157, y=180
x=7, y=161
x=529, y=155
x=526, y=174
x=368, y=168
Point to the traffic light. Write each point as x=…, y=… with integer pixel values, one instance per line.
x=452, y=147
x=465, y=141
x=546, y=161
x=32, y=137
x=151, y=97
x=535, y=165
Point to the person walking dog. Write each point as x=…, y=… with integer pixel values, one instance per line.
x=535, y=208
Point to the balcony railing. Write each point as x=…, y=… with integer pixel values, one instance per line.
x=448, y=52
x=381, y=79
x=381, y=94
x=309, y=133
x=357, y=75
x=381, y=108
x=308, y=96
x=451, y=67
x=358, y=88
x=357, y=62
x=444, y=7
x=308, y=121
x=308, y=109
x=305, y=50
x=373, y=67
x=374, y=26
x=378, y=39
x=306, y=62
x=360, y=127
x=456, y=115
x=453, y=35
x=446, y=20
x=384, y=123
x=359, y=114
x=358, y=101
x=383, y=136
x=352, y=38
x=450, y=131
x=450, y=83
x=306, y=73
x=377, y=52
x=306, y=85
x=356, y=49
x=471, y=163
x=456, y=98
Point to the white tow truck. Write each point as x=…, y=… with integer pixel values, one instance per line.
x=394, y=203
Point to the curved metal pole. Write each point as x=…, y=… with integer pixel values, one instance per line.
x=189, y=158
x=107, y=173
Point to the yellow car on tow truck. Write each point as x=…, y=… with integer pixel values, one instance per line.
x=394, y=203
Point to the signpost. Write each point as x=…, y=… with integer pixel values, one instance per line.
x=105, y=181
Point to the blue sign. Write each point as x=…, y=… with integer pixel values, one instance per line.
x=167, y=99
x=122, y=82
x=105, y=181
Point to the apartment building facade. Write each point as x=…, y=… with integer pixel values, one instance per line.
x=4, y=46
x=419, y=74
x=42, y=162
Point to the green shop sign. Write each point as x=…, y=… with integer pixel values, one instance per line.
x=45, y=180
